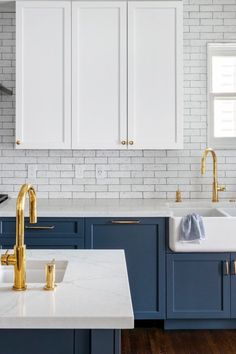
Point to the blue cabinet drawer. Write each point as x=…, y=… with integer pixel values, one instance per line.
x=47, y=233
x=55, y=227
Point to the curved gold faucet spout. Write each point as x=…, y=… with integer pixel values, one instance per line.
x=20, y=211
x=17, y=259
x=215, y=186
x=203, y=164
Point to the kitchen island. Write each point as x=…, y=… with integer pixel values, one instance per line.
x=83, y=315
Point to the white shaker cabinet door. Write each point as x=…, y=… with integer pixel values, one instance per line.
x=155, y=75
x=99, y=80
x=43, y=74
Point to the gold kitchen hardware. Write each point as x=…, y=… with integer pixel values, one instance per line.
x=125, y=222
x=40, y=227
x=178, y=196
x=123, y=142
x=7, y=259
x=17, y=258
x=131, y=142
x=18, y=142
x=215, y=186
x=226, y=268
x=50, y=270
x=233, y=265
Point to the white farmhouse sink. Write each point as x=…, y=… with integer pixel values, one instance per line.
x=35, y=272
x=229, y=211
x=219, y=227
x=204, y=212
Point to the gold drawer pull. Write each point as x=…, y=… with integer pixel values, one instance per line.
x=131, y=142
x=125, y=222
x=233, y=267
x=123, y=142
x=40, y=227
x=226, y=268
x=18, y=142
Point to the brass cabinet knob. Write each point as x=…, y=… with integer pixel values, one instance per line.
x=123, y=142
x=131, y=142
x=18, y=142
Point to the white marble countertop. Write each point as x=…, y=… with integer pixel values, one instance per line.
x=94, y=294
x=109, y=207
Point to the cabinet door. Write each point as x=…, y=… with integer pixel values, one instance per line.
x=37, y=341
x=198, y=286
x=99, y=116
x=233, y=285
x=155, y=75
x=43, y=74
x=143, y=242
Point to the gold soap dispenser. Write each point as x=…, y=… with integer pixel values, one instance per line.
x=50, y=270
x=178, y=196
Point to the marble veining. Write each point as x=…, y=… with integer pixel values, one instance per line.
x=94, y=294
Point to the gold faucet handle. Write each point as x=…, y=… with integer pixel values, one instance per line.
x=8, y=259
x=4, y=258
x=221, y=188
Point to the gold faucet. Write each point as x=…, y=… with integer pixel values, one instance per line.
x=215, y=186
x=17, y=259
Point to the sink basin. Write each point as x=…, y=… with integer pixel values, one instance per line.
x=204, y=212
x=229, y=211
x=35, y=272
x=219, y=227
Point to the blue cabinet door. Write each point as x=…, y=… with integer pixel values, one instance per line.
x=37, y=341
x=144, y=243
x=198, y=286
x=233, y=285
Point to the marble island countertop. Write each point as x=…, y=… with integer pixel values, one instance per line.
x=109, y=207
x=93, y=294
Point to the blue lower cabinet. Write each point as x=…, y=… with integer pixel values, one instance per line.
x=233, y=285
x=144, y=243
x=36, y=341
x=198, y=286
x=59, y=341
x=48, y=233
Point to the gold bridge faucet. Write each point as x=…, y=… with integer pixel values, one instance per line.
x=215, y=186
x=17, y=259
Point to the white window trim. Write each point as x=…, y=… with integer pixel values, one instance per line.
x=221, y=49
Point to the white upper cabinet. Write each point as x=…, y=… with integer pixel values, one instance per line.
x=124, y=68
x=43, y=74
x=99, y=87
x=155, y=74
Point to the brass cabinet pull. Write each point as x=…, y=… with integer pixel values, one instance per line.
x=131, y=142
x=123, y=142
x=226, y=268
x=125, y=222
x=18, y=142
x=40, y=227
x=233, y=268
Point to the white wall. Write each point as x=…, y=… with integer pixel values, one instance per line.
x=133, y=174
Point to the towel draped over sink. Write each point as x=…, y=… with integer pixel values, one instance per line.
x=192, y=229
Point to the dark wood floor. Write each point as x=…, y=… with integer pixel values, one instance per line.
x=158, y=341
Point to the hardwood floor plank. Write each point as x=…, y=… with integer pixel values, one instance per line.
x=158, y=341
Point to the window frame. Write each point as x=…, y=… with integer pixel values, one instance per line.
x=222, y=49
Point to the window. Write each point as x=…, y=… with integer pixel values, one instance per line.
x=222, y=95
